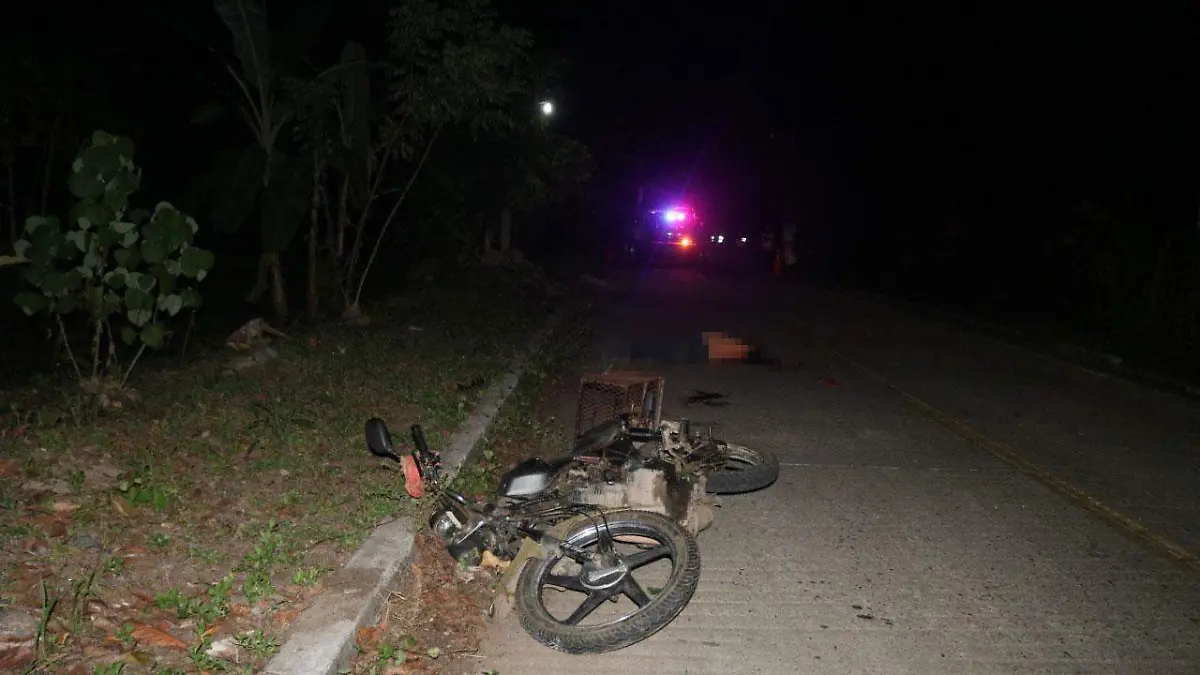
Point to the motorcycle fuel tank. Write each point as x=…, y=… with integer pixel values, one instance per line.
x=528, y=478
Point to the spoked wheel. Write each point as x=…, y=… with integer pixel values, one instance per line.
x=743, y=470
x=617, y=598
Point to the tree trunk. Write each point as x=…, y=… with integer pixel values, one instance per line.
x=505, y=231
x=343, y=219
x=48, y=167
x=1156, y=282
x=278, y=289
x=14, y=227
x=270, y=278
x=262, y=281
x=314, y=233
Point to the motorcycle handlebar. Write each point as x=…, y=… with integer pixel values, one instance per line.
x=429, y=458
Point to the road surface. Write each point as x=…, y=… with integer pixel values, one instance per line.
x=931, y=514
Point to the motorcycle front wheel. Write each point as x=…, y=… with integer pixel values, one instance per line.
x=637, y=590
x=744, y=470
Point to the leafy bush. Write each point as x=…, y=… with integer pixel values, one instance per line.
x=127, y=269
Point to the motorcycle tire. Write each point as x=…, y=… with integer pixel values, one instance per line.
x=662, y=608
x=746, y=470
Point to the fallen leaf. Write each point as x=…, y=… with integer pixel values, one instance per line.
x=63, y=508
x=16, y=651
x=55, y=485
x=35, y=546
x=285, y=617
x=9, y=468
x=121, y=506
x=490, y=561
x=96, y=652
x=95, y=607
x=139, y=658
x=368, y=636
x=149, y=635
x=77, y=668
x=101, y=475
x=225, y=648
x=50, y=525
x=213, y=629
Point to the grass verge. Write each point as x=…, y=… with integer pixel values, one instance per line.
x=184, y=534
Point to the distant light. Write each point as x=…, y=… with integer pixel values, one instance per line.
x=547, y=108
x=686, y=242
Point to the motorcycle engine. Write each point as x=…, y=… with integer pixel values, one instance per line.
x=465, y=533
x=648, y=488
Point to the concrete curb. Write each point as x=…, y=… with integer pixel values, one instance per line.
x=321, y=641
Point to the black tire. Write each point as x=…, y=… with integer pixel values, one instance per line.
x=660, y=610
x=745, y=470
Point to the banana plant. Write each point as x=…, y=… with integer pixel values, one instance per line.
x=261, y=173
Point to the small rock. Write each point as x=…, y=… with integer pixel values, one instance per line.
x=17, y=638
x=14, y=622
x=101, y=475
x=86, y=542
x=95, y=607
x=225, y=648
x=34, y=546
x=55, y=485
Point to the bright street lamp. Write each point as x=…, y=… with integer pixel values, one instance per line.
x=547, y=108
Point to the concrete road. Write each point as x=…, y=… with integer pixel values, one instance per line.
x=891, y=543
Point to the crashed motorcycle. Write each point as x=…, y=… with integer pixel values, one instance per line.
x=585, y=578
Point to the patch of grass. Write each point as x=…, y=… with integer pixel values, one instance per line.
x=259, y=481
x=258, y=644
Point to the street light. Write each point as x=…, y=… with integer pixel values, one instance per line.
x=547, y=108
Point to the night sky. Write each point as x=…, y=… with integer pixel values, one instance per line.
x=885, y=115
x=926, y=108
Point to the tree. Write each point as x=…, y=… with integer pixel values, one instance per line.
x=262, y=174
x=523, y=168
x=40, y=106
x=449, y=64
x=125, y=268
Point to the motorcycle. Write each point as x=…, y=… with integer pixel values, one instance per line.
x=632, y=570
x=622, y=499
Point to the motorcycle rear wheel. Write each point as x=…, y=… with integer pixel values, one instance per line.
x=744, y=470
x=656, y=538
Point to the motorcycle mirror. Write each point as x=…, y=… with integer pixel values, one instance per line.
x=379, y=440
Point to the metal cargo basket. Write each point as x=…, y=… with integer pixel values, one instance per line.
x=606, y=396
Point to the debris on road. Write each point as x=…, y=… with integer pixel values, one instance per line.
x=708, y=398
